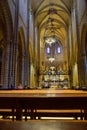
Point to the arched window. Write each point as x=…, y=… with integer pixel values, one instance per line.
x=48, y=50
x=58, y=49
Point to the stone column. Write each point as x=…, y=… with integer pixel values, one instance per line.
x=24, y=69
x=76, y=37
x=7, y=65
x=82, y=69
x=27, y=54
x=15, y=43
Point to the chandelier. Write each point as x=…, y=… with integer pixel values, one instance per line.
x=49, y=36
x=50, y=40
x=51, y=59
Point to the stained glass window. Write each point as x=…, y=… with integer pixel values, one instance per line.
x=48, y=50
x=58, y=49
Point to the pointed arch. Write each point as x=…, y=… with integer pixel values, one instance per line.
x=7, y=18
x=6, y=28
x=21, y=57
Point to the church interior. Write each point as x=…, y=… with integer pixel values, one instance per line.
x=43, y=44
x=43, y=59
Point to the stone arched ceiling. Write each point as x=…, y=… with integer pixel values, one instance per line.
x=60, y=13
x=58, y=10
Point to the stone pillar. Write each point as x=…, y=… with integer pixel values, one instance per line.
x=8, y=40
x=10, y=64
x=76, y=39
x=7, y=66
x=15, y=43
x=27, y=54
x=24, y=69
x=82, y=69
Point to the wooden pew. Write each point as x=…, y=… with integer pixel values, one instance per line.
x=38, y=114
x=43, y=125
x=42, y=99
x=5, y=113
x=60, y=113
x=11, y=113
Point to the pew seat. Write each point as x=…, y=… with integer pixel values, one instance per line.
x=58, y=113
x=11, y=113
x=39, y=114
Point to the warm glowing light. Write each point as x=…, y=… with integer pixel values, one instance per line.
x=51, y=59
x=50, y=40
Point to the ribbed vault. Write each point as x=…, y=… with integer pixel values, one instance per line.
x=60, y=13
